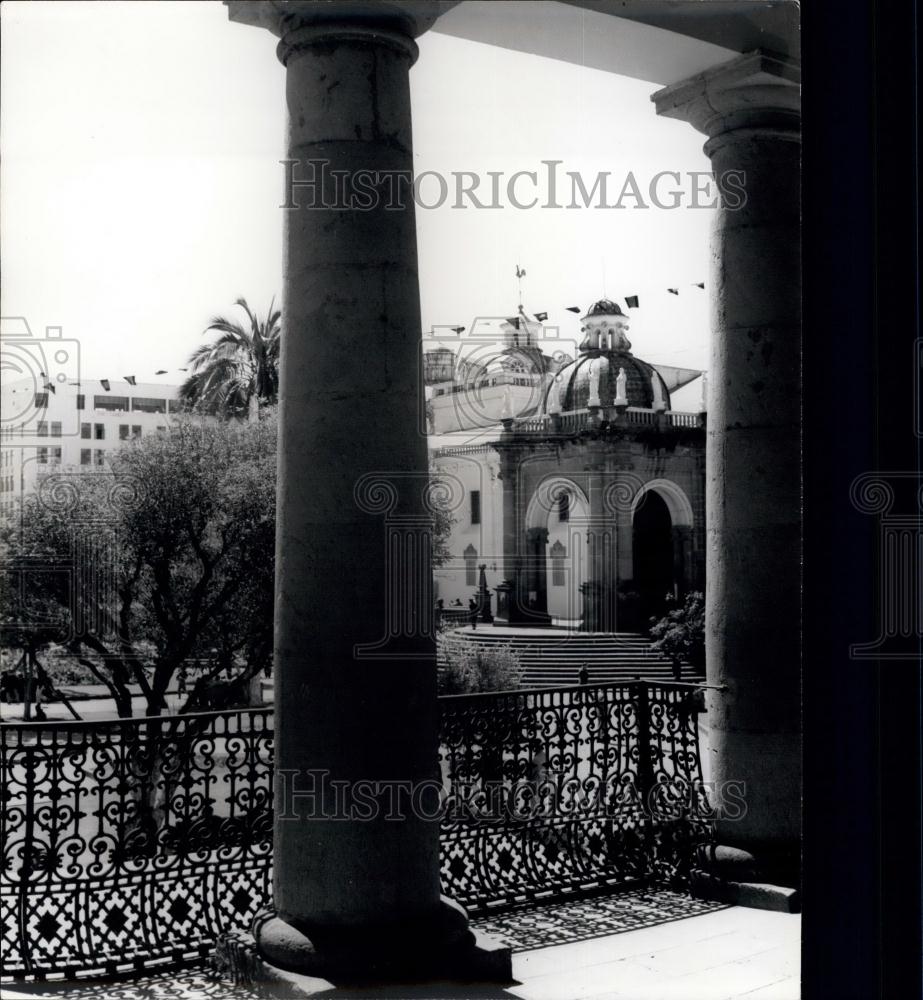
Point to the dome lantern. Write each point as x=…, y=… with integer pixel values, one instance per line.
x=606, y=373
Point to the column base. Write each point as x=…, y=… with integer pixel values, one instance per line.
x=754, y=895
x=281, y=957
x=733, y=875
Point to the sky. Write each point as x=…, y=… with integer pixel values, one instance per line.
x=140, y=184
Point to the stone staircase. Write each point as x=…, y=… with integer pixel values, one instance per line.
x=552, y=657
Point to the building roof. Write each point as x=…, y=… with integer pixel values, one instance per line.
x=572, y=388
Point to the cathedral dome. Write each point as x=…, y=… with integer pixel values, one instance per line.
x=605, y=361
x=605, y=307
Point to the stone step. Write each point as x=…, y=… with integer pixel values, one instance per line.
x=572, y=644
x=555, y=657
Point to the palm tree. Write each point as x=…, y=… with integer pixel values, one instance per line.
x=239, y=372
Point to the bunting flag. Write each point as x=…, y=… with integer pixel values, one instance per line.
x=161, y=371
x=631, y=301
x=130, y=379
x=182, y=369
x=104, y=382
x=51, y=388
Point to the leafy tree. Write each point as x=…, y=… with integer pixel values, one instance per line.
x=238, y=373
x=442, y=530
x=442, y=517
x=680, y=634
x=31, y=622
x=173, y=551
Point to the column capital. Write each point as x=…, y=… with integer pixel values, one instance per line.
x=301, y=23
x=758, y=90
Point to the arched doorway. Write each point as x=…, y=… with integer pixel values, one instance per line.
x=556, y=542
x=653, y=555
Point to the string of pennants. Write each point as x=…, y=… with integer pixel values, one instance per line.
x=632, y=301
x=106, y=383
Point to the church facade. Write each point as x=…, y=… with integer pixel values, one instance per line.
x=584, y=503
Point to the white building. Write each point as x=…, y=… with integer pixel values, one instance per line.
x=72, y=426
x=473, y=383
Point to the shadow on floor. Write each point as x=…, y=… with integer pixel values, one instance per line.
x=581, y=920
x=198, y=984
x=523, y=930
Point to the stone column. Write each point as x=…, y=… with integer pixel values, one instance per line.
x=537, y=575
x=600, y=589
x=355, y=692
x=750, y=110
x=510, y=590
x=682, y=559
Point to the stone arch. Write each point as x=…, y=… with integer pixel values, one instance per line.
x=672, y=495
x=557, y=549
x=671, y=545
x=543, y=501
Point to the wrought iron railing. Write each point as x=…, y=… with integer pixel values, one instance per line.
x=555, y=791
x=136, y=842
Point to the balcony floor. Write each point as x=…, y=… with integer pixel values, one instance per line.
x=571, y=951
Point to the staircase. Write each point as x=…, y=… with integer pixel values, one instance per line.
x=552, y=657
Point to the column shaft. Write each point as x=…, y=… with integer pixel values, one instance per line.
x=750, y=109
x=349, y=409
x=753, y=490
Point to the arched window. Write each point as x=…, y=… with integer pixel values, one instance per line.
x=558, y=555
x=564, y=506
x=471, y=566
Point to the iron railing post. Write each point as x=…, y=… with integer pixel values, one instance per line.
x=645, y=773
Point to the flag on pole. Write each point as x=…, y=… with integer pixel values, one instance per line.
x=161, y=371
x=631, y=301
x=673, y=291
x=573, y=309
x=458, y=329
x=700, y=284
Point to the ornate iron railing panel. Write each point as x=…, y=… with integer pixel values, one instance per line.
x=133, y=842
x=551, y=792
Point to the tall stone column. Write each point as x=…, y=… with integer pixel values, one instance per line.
x=750, y=110
x=537, y=575
x=600, y=589
x=357, y=894
x=510, y=594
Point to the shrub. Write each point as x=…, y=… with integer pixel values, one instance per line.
x=680, y=634
x=470, y=668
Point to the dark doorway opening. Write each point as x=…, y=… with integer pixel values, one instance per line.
x=652, y=553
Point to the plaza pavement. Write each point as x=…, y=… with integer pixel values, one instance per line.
x=728, y=953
